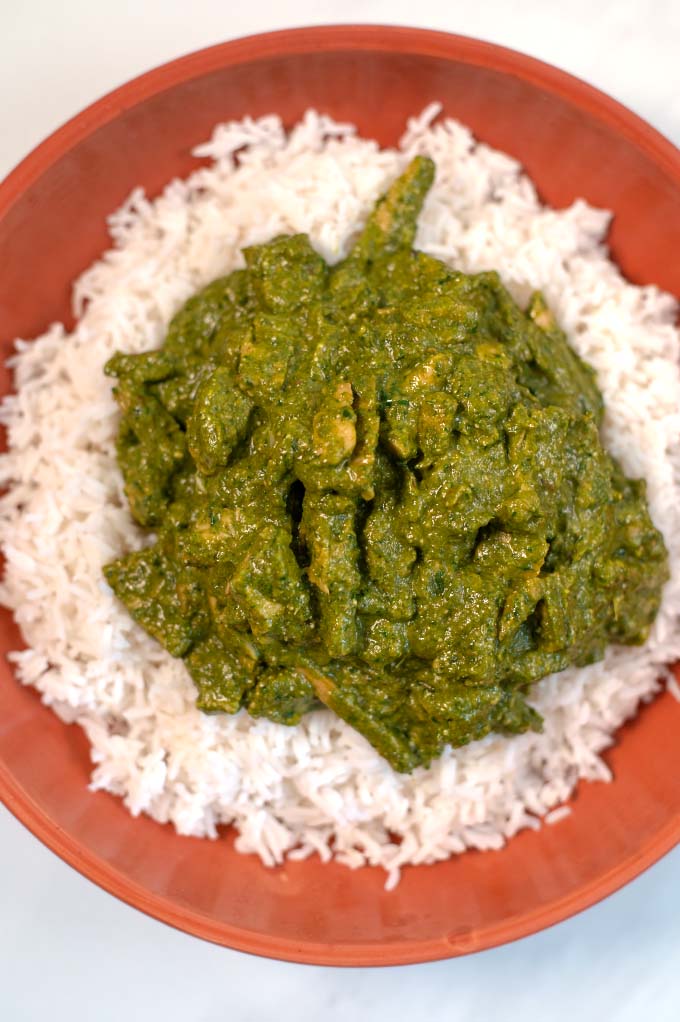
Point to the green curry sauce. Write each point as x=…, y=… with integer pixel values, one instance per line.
x=377, y=486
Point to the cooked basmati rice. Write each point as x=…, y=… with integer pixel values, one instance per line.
x=319, y=787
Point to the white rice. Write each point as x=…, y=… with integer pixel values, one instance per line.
x=318, y=787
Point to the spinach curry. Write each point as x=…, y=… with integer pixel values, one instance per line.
x=377, y=486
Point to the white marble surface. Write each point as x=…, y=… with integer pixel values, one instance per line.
x=67, y=949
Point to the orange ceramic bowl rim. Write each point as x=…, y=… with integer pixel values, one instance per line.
x=298, y=41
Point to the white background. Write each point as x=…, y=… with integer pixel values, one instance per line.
x=70, y=951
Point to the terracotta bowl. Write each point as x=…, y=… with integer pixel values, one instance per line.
x=574, y=141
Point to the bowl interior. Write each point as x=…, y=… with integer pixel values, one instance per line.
x=574, y=142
